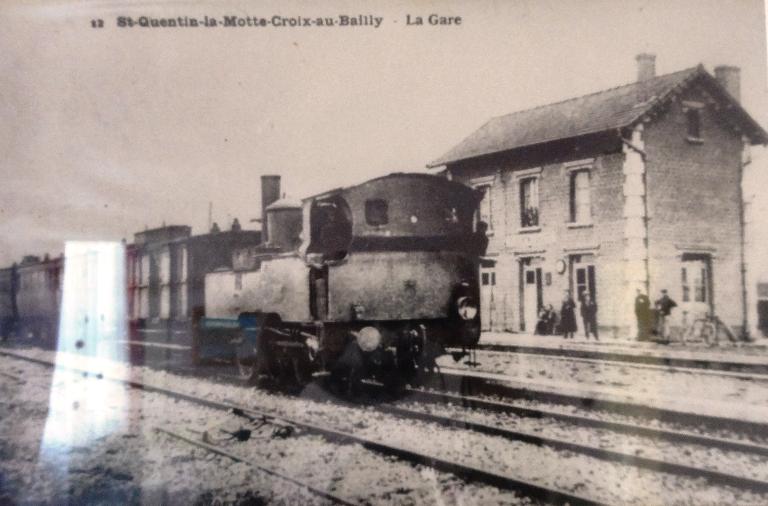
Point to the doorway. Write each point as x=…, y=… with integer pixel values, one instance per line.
x=583, y=279
x=696, y=279
x=487, y=294
x=532, y=296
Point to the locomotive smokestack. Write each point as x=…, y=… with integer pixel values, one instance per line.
x=270, y=192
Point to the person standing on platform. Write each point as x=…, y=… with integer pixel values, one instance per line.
x=643, y=314
x=664, y=306
x=568, y=316
x=589, y=315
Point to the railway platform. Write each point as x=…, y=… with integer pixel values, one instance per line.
x=743, y=356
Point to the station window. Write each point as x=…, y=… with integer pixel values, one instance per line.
x=529, y=202
x=581, y=202
x=376, y=212
x=485, y=211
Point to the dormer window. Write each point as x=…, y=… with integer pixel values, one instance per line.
x=694, y=123
x=692, y=112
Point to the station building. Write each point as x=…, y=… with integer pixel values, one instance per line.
x=634, y=187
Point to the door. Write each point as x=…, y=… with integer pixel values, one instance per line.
x=532, y=297
x=487, y=296
x=583, y=280
x=695, y=276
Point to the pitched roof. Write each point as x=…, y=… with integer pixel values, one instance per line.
x=597, y=112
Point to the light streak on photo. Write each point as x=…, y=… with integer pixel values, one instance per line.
x=92, y=327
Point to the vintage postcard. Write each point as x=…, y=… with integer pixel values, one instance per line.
x=406, y=252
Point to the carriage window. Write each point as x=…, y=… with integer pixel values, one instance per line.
x=376, y=212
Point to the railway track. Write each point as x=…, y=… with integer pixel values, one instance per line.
x=675, y=437
x=716, y=477
x=474, y=385
x=463, y=471
x=650, y=359
x=224, y=452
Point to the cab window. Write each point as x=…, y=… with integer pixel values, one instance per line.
x=376, y=212
x=331, y=228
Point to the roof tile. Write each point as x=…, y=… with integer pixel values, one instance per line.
x=604, y=110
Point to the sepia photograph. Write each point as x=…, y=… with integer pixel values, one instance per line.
x=414, y=252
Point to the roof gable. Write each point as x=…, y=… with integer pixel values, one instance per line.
x=605, y=110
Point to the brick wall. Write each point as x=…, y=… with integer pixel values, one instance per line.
x=694, y=204
x=555, y=239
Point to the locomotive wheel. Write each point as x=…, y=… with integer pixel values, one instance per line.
x=347, y=372
x=247, y=359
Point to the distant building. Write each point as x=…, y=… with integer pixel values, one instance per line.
x=762, y=308
x=167, y=267
x=632, y=187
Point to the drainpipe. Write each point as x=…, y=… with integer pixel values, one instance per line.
x=745, y=160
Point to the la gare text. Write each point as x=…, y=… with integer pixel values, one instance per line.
x=342, y=20
x=432, y=19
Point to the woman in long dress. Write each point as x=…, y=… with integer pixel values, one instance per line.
x=568, y=316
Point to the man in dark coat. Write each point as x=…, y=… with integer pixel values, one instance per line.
x=568, y=316
x=664, y=307
x=643, y=314
x=589, y=315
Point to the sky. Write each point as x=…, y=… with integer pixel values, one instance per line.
x=106, y=131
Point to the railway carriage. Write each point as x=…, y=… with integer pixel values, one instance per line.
x=371, y=280
x=37, y=293
x=7, y=301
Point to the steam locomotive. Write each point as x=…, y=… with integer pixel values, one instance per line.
x=370, y=280
x=375, y=280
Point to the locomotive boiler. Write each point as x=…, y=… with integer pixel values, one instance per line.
x=370, y=280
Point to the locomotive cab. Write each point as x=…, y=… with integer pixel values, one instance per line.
x=330, y=230
x=393, y=266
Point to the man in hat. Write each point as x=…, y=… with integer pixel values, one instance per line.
x=664, y=307
x=589, y=315
x=643, y=314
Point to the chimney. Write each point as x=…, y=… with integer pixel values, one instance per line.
x=646, y=66
x=729, y=78
x=270, y=192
